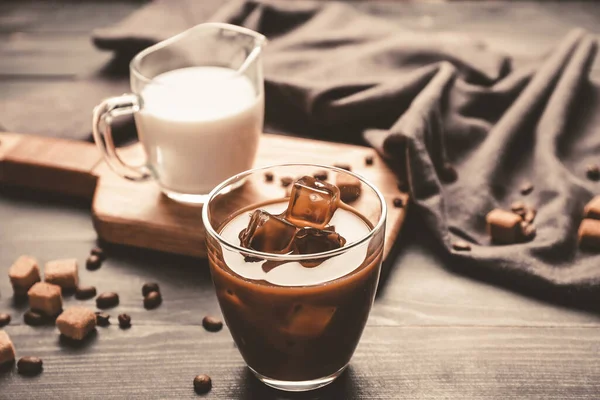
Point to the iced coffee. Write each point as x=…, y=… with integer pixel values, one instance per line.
x=297, y=287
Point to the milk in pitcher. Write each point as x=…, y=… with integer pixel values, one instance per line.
x=199, y=126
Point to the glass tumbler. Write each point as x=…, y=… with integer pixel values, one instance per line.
x=296, y=318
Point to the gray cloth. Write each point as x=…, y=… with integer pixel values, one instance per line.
x=424, y=100
x=330, y=71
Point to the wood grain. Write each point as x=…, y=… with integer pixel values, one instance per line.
x=55, y=165
x=427, y=363
x=62, y=18
x=25, y=48
x=137, y=214
x=432, y=334
x=7, y=142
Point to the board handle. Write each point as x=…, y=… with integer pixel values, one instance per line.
x=54, y=165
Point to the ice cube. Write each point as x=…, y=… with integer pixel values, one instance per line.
x=311, y=241
x=312, y=203
x=268, y=233
x=308, y=321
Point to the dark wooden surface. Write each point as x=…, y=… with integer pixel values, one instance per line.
x=137, y=214
x=432, y=334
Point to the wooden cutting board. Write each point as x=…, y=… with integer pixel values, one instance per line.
x=137, y=214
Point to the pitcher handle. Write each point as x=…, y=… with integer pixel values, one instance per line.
x=104, y=113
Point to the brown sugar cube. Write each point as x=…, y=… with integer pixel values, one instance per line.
x=76, y=322
x=62, y=273
x=7, y=350
x=350, y=187
x=592, y=209
x=503, y=226
x=45, y=297
x=589, y=234
x=23, y=274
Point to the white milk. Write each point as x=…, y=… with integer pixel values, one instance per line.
x=346, y=223
x=199, y=126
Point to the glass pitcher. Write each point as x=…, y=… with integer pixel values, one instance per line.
x=198, y=103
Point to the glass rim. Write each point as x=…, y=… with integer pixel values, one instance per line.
x=291, y=257
x=137, y=59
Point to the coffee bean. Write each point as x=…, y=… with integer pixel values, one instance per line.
x=152, y=300
x=85, y=292
x=461, y=245
x=202, y=384
x=33, y=318
x=149, y=288
x=593, y=172
x=4, y=319
x=30, y=366
x=448, y=173
x=124, y=321
x=107, y=300
x=212, y=324
x=398, y=202
x=102, y=319
x=286, y=181
x=347, y=167
x=269, y=176
x=93, y=262
x=369, y=160
x=526, y=188
x=321, y=175
x=98, y=252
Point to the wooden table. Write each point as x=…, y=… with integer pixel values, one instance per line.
x=432, y=334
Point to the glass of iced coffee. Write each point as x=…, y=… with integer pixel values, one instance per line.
x=295, y=255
